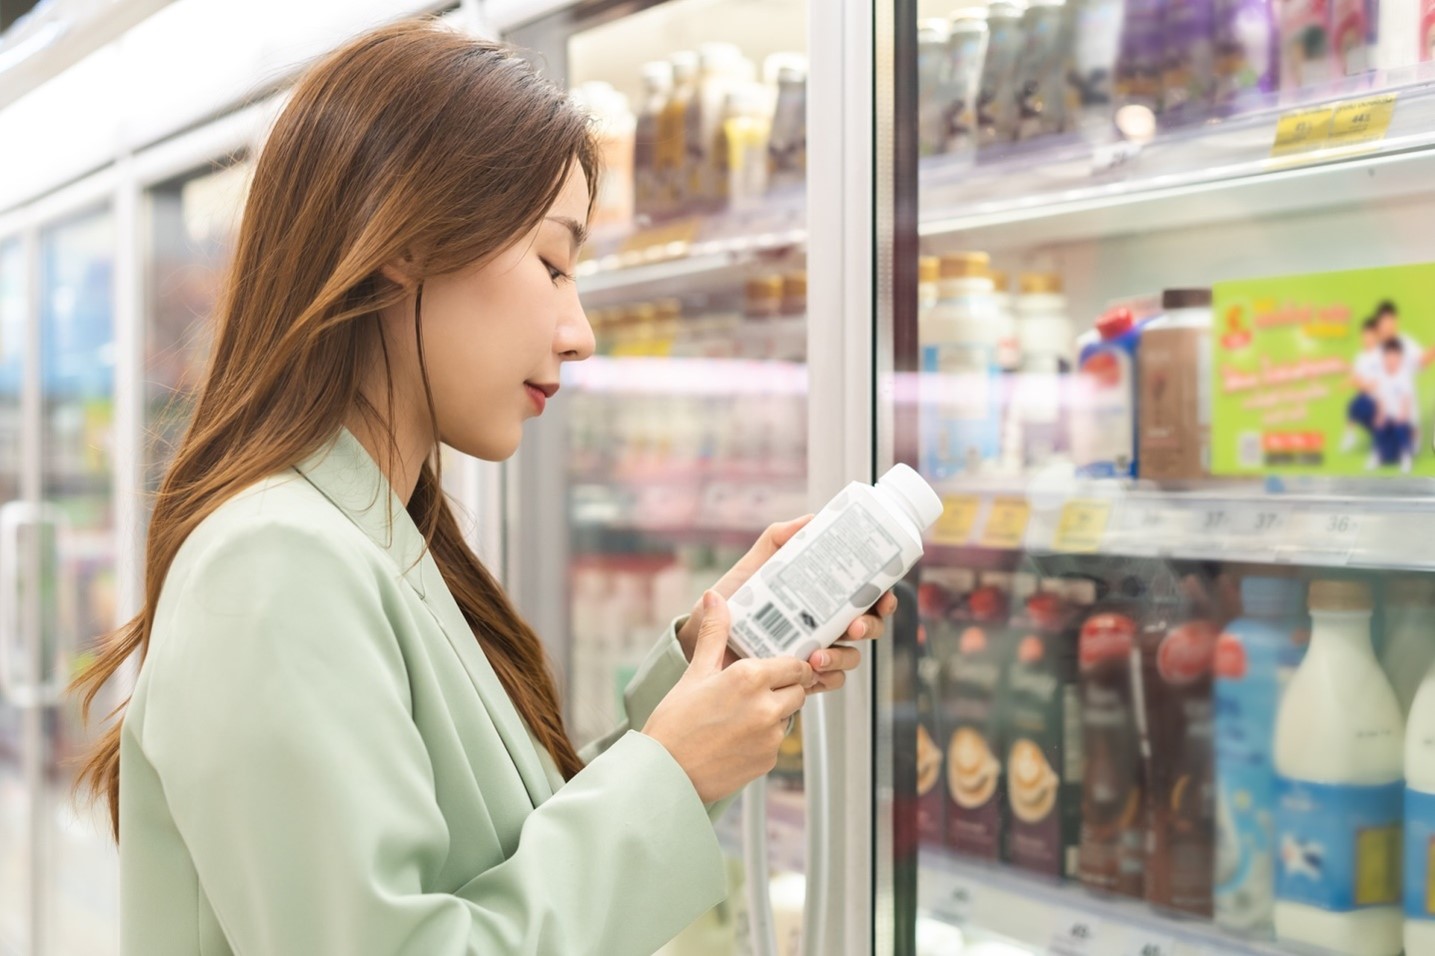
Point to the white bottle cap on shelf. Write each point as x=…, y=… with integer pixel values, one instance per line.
x=912, y=489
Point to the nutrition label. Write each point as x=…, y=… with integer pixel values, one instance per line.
x=835, y=565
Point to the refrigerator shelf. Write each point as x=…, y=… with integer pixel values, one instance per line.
x=1324, y=526
x=680, y=255
x=1221, y=171
x=1050, y=916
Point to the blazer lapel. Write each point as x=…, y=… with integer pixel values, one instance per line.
x=345, y=474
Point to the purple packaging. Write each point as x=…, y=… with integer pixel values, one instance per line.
x=1247, y=52
x=1189, y=74
x=1138, y=65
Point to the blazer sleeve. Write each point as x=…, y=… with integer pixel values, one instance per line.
x=279, y=722
x=660, y=670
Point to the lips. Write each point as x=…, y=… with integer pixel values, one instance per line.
x=540, y=393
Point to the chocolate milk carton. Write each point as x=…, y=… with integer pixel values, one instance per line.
x=971, y=699
x=1113, y=808
x=938, y=594
x=1042, y=729
x=1177, y=652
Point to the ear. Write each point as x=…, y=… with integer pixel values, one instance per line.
x=397, y=272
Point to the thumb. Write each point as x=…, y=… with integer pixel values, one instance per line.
x=711, y=644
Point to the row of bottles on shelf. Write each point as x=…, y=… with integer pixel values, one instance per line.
x=743, y=414
x=768, y=323
x=620, y=605
x=708, y=137
x=1235, y=760
x=1011, y=70
x=1008, y=385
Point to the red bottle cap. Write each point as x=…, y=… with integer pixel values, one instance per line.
x=1115, y=323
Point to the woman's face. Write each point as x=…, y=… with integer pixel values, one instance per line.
x=496, y=333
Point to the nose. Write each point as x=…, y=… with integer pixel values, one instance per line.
x=574, y=339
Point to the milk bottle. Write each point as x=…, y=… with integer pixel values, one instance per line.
x=1420, y=820
x=1409, y=635
x=961, y=404
x=1249, y=657
x=1340, y=783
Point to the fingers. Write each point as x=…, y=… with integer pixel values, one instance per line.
x=710, y=649
x=776, y=673
x=782, y=532
x=789, y=700
x=886, y=605
x=835, y=658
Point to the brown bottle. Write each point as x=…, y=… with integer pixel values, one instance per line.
x=1177, y=652
x=1113, y=810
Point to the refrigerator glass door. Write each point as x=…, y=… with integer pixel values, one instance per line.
x=192, y=225
x=685, y=435
x=74, y=551
x=15, y=807
x=1161, y=345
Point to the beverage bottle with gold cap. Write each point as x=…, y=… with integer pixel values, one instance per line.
x=671, y=155
x=1340, y=766
x=789, y=341
x=657, y=87
x=961, y=401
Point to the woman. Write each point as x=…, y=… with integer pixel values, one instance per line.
x=343, y=739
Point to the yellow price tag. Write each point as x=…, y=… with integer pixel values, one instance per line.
x=1302, y=131
x=1006, y=524
x=1081, y=527
x=959, y=515
x=1361, y=121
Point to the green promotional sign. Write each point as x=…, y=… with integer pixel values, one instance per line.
x=1325, y=374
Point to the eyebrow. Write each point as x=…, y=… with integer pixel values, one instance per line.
x=579, y=231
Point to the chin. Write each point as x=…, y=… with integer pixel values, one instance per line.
x=494, y=447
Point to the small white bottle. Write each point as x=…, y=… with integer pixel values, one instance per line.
x=1340, y=757
x=809, y=592
x=1420, y=820
x=1047, y=346
x=1409, y=636
x=961, y=378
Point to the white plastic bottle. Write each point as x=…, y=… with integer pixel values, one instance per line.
x=961, y=413
x=1409, y=636
x=1340, y=756
x=1420, y=820
x=816, y=585
x=1046, y=340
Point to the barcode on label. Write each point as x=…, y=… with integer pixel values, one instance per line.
x=770, y=619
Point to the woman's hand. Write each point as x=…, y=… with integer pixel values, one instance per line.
x=723, y=723
x=830, y=664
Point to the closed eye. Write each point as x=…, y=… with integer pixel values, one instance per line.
x=557, y=274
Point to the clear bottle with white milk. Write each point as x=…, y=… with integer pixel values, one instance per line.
x=1409, y=635
x=1420, y=819
x=1340, y=756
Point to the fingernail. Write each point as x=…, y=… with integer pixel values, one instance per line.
x=863, y=628
x=709, y=600
x=824, y=659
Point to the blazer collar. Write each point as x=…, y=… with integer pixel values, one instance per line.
x=344, y=473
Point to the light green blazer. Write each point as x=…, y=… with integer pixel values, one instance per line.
x=319, y=760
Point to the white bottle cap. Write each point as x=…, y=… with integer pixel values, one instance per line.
x=912, y=489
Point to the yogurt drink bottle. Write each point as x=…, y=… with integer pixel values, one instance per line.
x=1249, y=656
x=1409, y=635
x=1340, y=757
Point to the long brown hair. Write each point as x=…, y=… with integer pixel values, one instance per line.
x=414, y=144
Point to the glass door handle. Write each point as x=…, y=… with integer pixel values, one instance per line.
x=32, y=688
x=817, y=785
x=758, y=869
x=14, y=516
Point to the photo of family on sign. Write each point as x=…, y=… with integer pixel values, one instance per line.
x=1384, y=415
